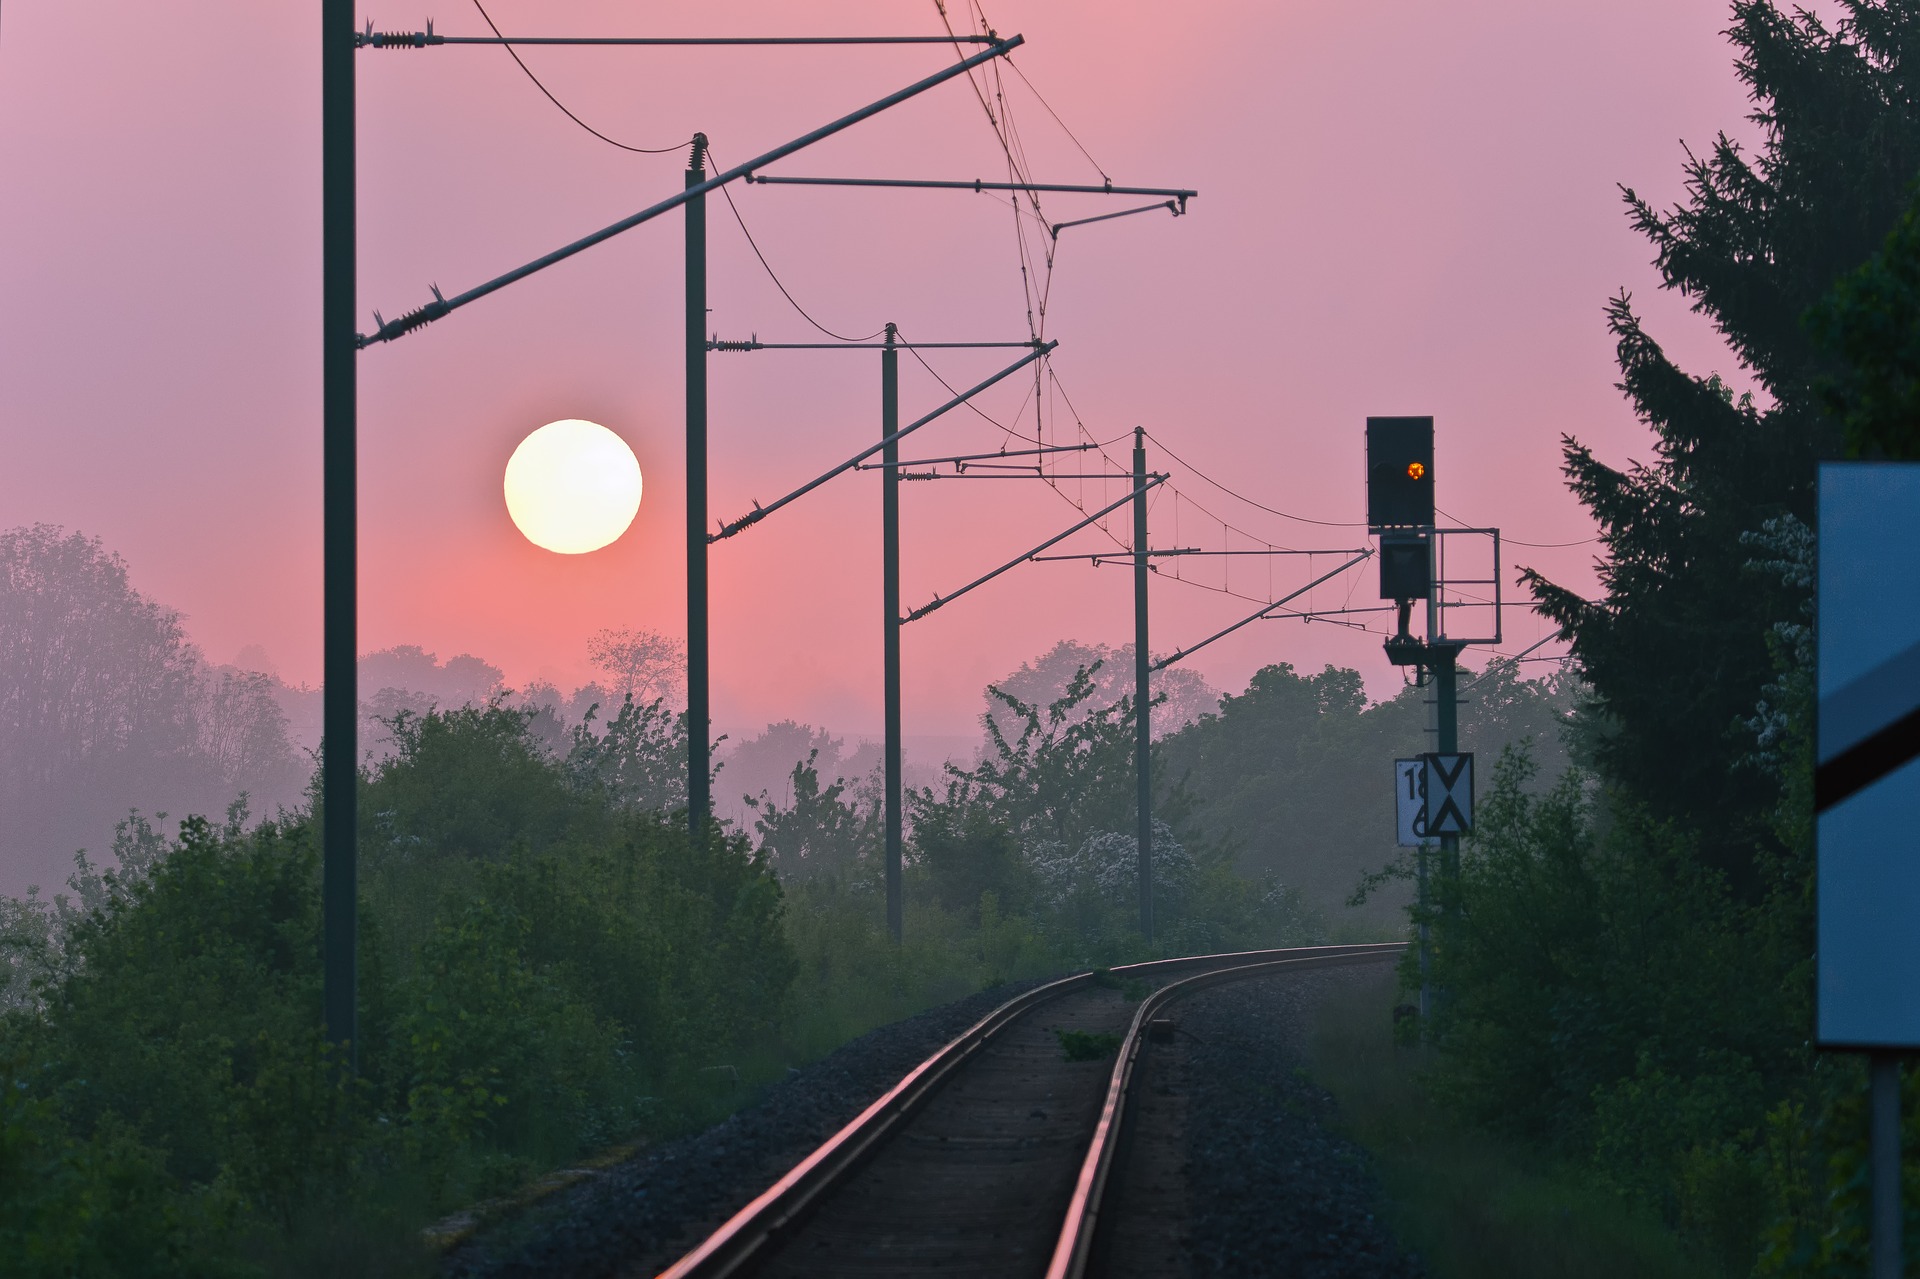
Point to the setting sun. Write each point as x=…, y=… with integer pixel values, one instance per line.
x=572, y=486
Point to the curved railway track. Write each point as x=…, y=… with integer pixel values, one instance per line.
x=995, y=1155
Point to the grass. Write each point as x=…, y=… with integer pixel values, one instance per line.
x=1132, y=989
x=1087, y=1045
x=1471, y=1204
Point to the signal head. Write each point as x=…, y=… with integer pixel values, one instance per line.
x=1399, y=466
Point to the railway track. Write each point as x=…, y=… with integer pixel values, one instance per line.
x=996, y=1154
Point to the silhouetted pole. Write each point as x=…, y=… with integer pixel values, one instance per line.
x=1143, y=703
x=890, y=604
x=699, y=776
x=1883, y=1154
x=1447, y=742
x=339, y=535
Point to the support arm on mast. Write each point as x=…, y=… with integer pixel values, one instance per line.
x=761, y=512
x=1018, y=560
x=441, y=306
x=1165, y=662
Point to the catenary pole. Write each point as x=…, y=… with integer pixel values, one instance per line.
x=339, y=535
x=1446, y=693
x=699, y=774
x=890, y=609
x=1143, y=702
x=1446, y=720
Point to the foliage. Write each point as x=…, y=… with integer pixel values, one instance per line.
x=1087, y=1045
x=639, y=761
x=1044, y=827
x=543, y=968
x=1599, y=1001
x=1475, y=1204
x=1293, y=772
x=819, y=834
x=1871, y=323
x=1180, y=693
x=105, y=704
x=1677, y=652
x=1626, y=957
x=641, y=666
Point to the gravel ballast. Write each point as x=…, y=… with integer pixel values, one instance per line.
x=1272, y=1188
x=639, y=1216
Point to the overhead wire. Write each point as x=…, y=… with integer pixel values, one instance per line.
x=1584, y=541
x=1037, y=296
x=1034, y=89
x=775, y=276
x=612, y=142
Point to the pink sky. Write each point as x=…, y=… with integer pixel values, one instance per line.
x=1405, y=208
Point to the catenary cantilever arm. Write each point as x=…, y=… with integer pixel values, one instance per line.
x=441, y=306
x=371, y=39
x=1169, y=205
x=1165, y=662
x=759, y=513
x=1018, y=560
x=1181, y=194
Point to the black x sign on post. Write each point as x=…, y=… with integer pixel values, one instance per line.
x=1449, y=794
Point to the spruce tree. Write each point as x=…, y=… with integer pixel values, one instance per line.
x=1676, y=649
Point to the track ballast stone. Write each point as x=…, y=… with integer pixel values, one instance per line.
x=638, y=1217
x=1273, y=1189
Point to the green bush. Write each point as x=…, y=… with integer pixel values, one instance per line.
x=543, y=968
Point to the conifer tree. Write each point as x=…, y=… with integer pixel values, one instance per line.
x=1676, y=649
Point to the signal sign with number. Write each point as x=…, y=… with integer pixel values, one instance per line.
x=1410, y=802
x=1449, y=794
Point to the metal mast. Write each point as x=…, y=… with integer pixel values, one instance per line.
x=699, y=771
x=890, y=609
x=340, y=709
x=1142, y=669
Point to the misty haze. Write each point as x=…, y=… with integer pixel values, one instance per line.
x=981, y=639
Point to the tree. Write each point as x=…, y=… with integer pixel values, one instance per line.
x=644, y=665
x=1871, y=323
x=1181, y=694
x=820, y=832
x=640, y=760
x=1293, y=772
x=1676, y=651
x=106, y=705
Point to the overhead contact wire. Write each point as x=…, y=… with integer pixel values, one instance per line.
x=612, y=142
x=775, y=276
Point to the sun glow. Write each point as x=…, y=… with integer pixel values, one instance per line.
x=573, y=486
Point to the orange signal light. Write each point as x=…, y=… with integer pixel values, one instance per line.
x=1416, y=470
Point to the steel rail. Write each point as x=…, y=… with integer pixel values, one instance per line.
x=746, y=1238
x=1074, y=1250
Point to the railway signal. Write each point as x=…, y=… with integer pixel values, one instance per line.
x=1400, y=472
x=1400, y=512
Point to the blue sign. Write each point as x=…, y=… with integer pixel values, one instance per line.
x=1867, y=756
